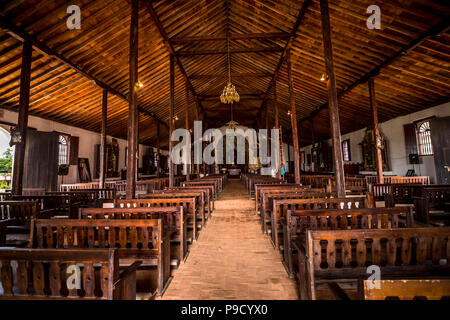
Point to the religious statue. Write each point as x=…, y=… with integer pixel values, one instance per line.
x=369, y=151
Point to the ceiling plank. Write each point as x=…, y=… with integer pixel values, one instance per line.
x=236, y=50
x=293, y=34
x=245, y=36
x=442, y=27
x=169, y=46
x=22, y=35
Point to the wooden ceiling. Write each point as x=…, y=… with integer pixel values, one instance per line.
x=409, y=58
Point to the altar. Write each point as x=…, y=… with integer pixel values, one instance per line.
x=234, y=172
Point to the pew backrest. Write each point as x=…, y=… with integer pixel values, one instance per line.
x=407, y=289
x=345, y=254
x=19, y=212
x=48, y=271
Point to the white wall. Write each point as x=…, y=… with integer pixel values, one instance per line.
x=393, y=132
x=88, y=140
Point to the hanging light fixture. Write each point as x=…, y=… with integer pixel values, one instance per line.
x=229, y=94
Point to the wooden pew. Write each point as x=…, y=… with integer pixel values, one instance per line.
x=4, y=196
x=198, y=195
x=17, y=216
x=188, y=204
x=215, y=180
x=79, y=186
x=258, y=187
x=213, y=185
x=261, y=181
x=142, y=187
x=47, y=270
x=432, y=197
x=396, y=193
x=208, y=190
x=333, y=256
x=268, y=195
x=59, y=205
x=173, y=218
x=317, y=180
x=87, y=197
x=281, y=206
x=408, y=290
x=143, y=240
x=298, y=222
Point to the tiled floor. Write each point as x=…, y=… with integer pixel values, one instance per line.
x=232, y=259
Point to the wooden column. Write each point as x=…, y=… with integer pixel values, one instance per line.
x=103, y=139
x=293, y=120
x=332, y=100
x=133, y=103
x=376, y=130
x=313, y=142
x=186, y=112
x=22, y=120
x=171, y=120
x=277, y=124
x=268, y=129
x=197, y=107
x=158, y=147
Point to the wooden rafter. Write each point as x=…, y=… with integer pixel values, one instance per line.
x=442, y=27
x=292, y=36
x=169, y=46
x=22, y=35
x=236, y=50
x=245, y=36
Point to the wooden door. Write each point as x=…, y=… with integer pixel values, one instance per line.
x=440, y=138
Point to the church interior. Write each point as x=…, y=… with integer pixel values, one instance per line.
x=224, y=150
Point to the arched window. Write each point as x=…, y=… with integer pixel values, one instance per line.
x=424, y=139
x=63, y=154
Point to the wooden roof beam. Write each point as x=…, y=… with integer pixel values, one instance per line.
x=20, y=34
x=442, y=27
x=244, y=36
x=236, y=50
x=233, y=75
x=292, y=36
x=244, y=96
x=169, y=46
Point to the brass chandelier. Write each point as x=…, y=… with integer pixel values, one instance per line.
x=229, y=94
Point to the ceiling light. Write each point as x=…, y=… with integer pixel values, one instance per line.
x=229, y=93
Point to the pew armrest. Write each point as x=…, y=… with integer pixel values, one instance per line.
x=46, y=214
x=337, y=291
x=126, y=284
x=127, y=272
x=3, y=225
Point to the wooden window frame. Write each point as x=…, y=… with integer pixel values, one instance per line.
x=347, y=141
x=419, y=139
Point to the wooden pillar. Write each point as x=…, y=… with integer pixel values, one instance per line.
x=376, y=130
x=277, y=125
x=268, y=129
x=103, y=139
x=171, y=121
x=186, y=112
x=132, y=100
x=197, y=107
x=313, y=142
x=22, y=120
x=158, y=147
x=332, y=100
x=293, y=120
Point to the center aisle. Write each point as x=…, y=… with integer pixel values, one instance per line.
x=232, y=259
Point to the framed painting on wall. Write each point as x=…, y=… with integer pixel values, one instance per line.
x=84, y=171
